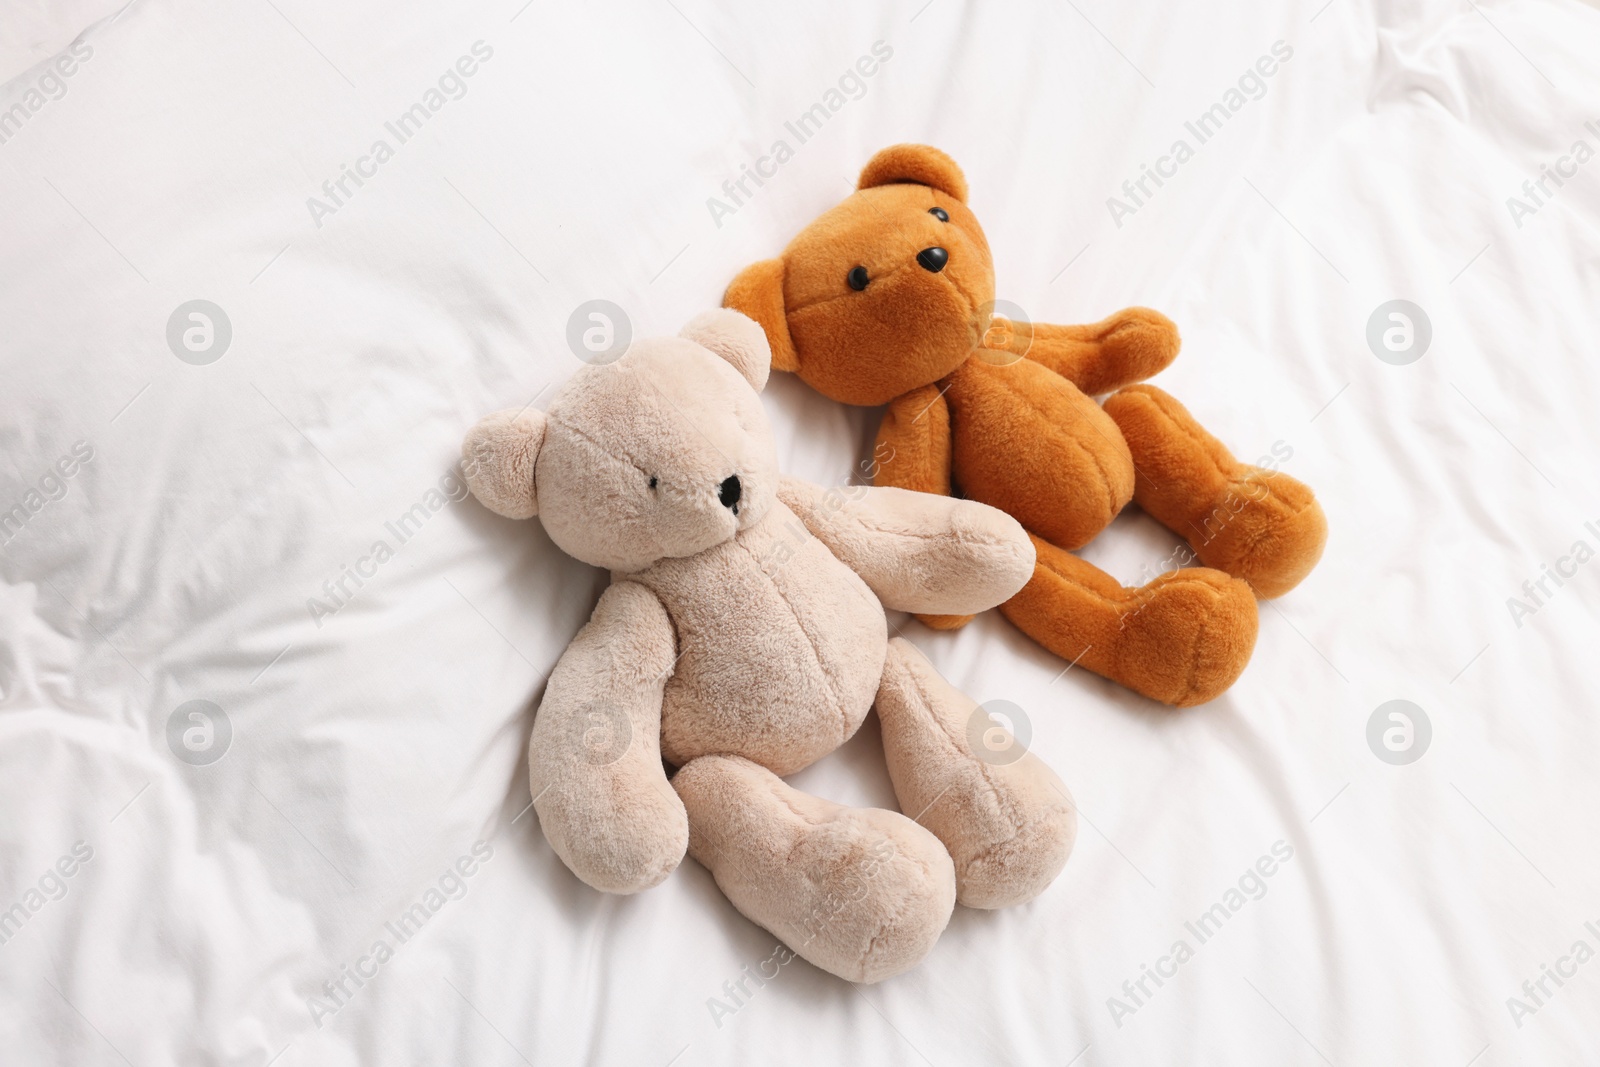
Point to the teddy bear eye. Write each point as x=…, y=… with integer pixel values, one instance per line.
x=857, y=278
x=939, y=213
x=652, y=481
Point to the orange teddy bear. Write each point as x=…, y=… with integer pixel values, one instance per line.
x=888, y=298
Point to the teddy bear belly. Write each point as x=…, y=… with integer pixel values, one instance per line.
x=1029, y=442
x=781, y=649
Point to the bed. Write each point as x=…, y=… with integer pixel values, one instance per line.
x=264, y=787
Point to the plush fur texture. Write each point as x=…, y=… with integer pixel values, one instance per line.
x=1009, y=821
x=503, y=446
x=861, y=892
x=1259, y=525
x=743, y=637
x=888, y=298
x=917, y=552
x=780, y=647
x=594, y=763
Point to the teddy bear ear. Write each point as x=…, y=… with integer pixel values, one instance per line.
x=757, y=291
x=498, y=456
x=736, y=338
x=916, y=164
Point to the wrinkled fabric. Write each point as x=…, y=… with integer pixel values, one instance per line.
x=268, y=553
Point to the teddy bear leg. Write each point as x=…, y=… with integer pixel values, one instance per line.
x=862, y=893
x=1182, y=638
x=1004, y=816
x=1256, y=524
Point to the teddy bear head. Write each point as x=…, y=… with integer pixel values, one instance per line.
x=887, y=292
x=665, y=452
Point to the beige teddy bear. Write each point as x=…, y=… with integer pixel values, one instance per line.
x=742, y=638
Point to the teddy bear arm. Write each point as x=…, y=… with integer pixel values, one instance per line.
x=913, y=447
x=918, y=552
x=594, y=758
x=1130, y=346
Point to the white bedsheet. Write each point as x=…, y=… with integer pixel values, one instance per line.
x=373, y=747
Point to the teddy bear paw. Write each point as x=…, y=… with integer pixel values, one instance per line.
x=862, y=893
x=1186, y=636
x=1266, y=528
x=1139, y=342
x=1005, y=817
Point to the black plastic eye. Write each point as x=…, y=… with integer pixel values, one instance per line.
x=939, y=213
x=857, y=278
x=652, y=481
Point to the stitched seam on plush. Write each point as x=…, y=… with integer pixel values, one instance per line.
x=897, y=915
x=1105, y=480
x=972, y=313
x=982, y=857
x=619, y=457
x=1192, y=685
x=811, y=643
x=1160, y=408
x=961, y=761
x=1041, y=562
